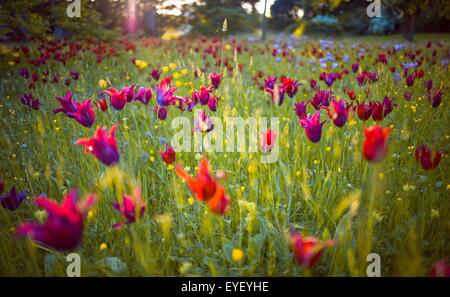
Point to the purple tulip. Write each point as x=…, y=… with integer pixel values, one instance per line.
x=313, y=127
x=12, y=200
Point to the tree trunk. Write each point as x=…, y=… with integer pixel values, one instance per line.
x=264, y=22
x=150, y=19
x=408, y=29
x=104, y=9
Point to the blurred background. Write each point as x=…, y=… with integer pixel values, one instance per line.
x=106, y=19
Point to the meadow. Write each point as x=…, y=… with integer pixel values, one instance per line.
x=319, y=210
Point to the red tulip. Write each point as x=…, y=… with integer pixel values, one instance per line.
x=268, y=140
x=129, y=92
x=440, y=269
x=206, y=188
x=213, y=102
x=117, y=98
x=161, y=112
x=375, y=145
x=338, y=112
x=156, y=74
x=278, y=94
x=321, y=98
x=144, y=95
x=131, y=208
x=203, y=123
x=215, y=79
x=104, y=147
x=165, y=92
x=428, y=158
x=67, y=105
x=102, y=104
x=168, y=155
x=351, y=94
x=362, y=78
x=82, y=112
x=290, y=85
x=202, y=95
x=300, y=110
x=63, y=228
x=85, y=114
x=364, y=111
x=269, y=82
x=381, y=109
x=308, y=250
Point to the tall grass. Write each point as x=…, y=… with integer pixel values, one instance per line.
x=325, y=190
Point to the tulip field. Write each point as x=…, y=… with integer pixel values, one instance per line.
x=359, y=170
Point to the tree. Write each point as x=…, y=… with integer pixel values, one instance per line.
x=423, y=15
x=413, y=8
x=206, y=17
x=23, y=17
x=264, y=22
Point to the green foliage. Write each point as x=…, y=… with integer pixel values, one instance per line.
x=89, y=25
x=38, y=18
x=434, y=15
x=324, y=24
x=208, y=18
x=23, y=16
x=324, y=190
